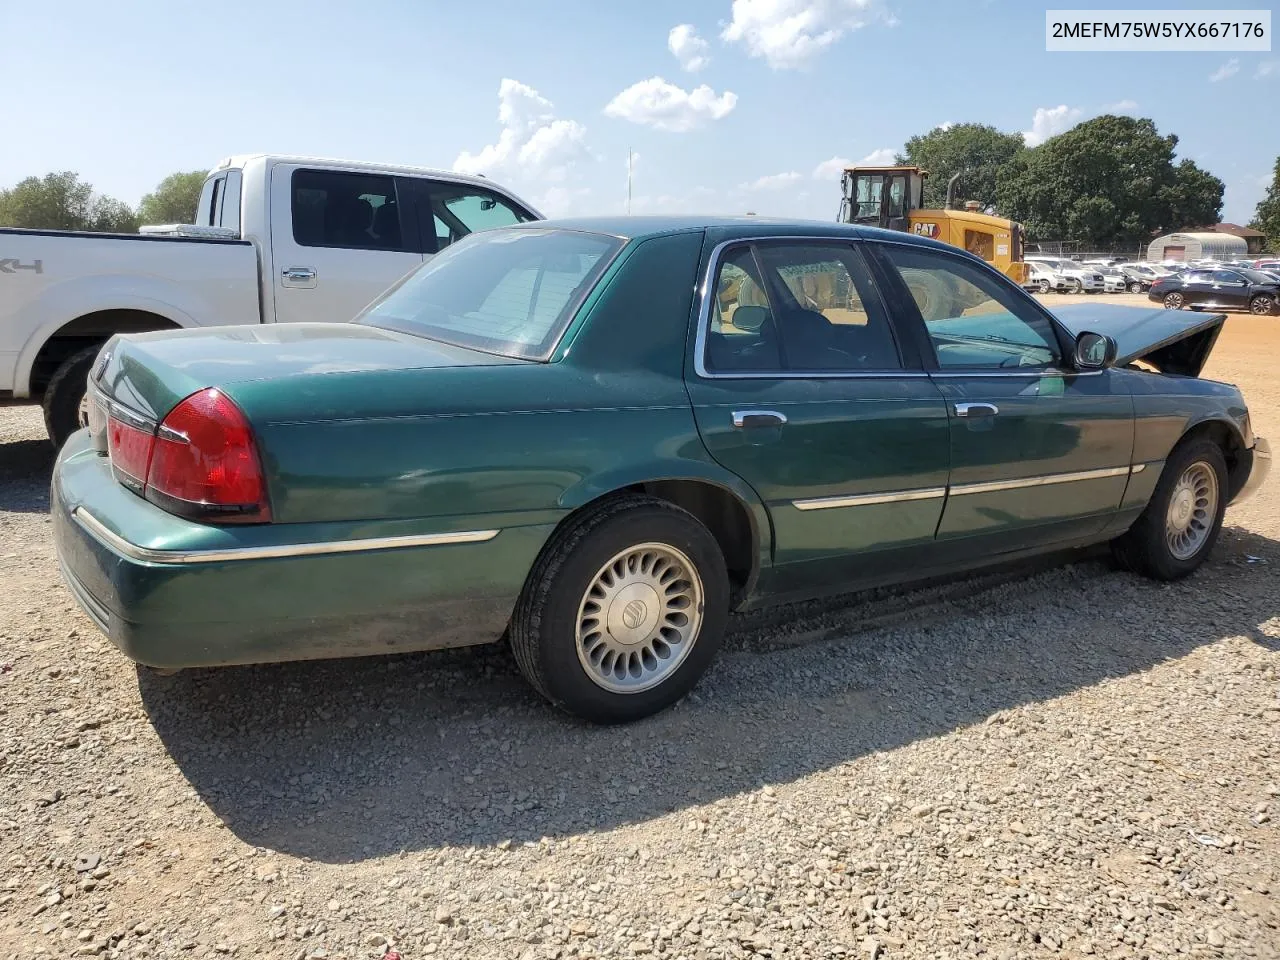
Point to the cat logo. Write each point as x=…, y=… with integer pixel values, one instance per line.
x=925, y=230
x=13, y=266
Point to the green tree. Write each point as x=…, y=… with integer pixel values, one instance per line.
x=174, y=200
x=979, y=153
x=1267, y=216
x=62, y=201
x=1108, y=181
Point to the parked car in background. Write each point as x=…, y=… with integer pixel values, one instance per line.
x=1219, y=289
x=1267, y=263
x=1140, y=276
x=276, y=240
x=1113, y=280
x=1042, y=279
x=1076, y=278
x=596, y=437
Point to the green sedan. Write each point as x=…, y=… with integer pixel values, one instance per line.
x=595, y=438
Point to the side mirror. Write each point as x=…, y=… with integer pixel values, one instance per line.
x=1094, y=351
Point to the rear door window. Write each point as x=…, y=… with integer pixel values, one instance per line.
x=229, y=201
x=448, y=212
x=356, y=211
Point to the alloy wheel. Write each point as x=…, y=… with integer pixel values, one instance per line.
x=1173, y=301
x=1262, y=305
x=1193, y=504
x=639, y=618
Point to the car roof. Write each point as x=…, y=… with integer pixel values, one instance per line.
x=726, y=228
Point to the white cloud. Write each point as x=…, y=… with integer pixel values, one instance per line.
x=1049, y=122
x=1266, y=68
x=1120, y=106
x=533, y=144
x=831, y=169
x=945, y=125
x=560, y=201
x=664, y=106
x=879, y=158
x=776, y=181
x=687, y=47
x=1228, y=69
x=789, y=33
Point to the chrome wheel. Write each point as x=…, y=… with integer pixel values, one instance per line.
x=1261, y=305
x=1193, y=506
x=1173, y=301
x=639, y=618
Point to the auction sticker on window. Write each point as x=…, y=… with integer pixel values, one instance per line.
x=1135, y=31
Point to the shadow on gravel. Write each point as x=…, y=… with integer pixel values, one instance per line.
x=26, y=467
x=341, y=761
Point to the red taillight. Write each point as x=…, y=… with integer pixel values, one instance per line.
x=200, y=463
x=205, y=462
x=129, y=447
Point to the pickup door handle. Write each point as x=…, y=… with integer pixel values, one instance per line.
x=747, y=419
x=974, y=410
x=299, y=274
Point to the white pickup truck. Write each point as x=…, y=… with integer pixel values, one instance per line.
x=276, y=239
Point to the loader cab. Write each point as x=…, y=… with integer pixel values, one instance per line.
x=881, y=196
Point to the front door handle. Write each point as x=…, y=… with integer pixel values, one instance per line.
x=747, y=419
x=974, y=410
x=299, y=276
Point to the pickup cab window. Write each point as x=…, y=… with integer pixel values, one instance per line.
x=457, y=210
x=355, y=211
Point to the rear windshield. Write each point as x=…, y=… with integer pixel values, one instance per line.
x=507, y=292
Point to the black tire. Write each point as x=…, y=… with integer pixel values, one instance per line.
x=1046, y=286
x=1174, y=301
x=543, y=627
x=1074, y=286
x=1135, y=287
x=63, y=396
x=1144, y=548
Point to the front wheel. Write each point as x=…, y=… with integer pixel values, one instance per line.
x=1177, y=530
x=1045, y=286
x=1074, y=286
x=1135, y=287
x=66, y=404
x=1173, y=301
x=1262, y=305
x=623, y=612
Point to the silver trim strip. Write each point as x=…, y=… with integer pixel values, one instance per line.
x=869, y=499
x=114, y=541
x=934, y=493
x=1041, y=481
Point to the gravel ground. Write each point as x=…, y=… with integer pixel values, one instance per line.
x=1055, y=760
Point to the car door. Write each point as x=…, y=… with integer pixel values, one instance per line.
x=1230, y=289
x=801, y=388
x=1197, y=288
x=1040, y=453
x=338, y=240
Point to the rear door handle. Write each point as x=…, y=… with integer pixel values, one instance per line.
x=299, y=276
x=974, y=410
x=747, y=419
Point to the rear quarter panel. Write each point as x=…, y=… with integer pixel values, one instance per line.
x=186, y=282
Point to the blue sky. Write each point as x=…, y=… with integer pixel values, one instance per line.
x=547, y=96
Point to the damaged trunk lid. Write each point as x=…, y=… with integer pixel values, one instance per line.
x=1172, y=341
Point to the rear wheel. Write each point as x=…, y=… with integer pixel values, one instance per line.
x=623, y=612
x=1262, y=305
x=1180, y=525
x=66, y=405
x=1173, y=301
